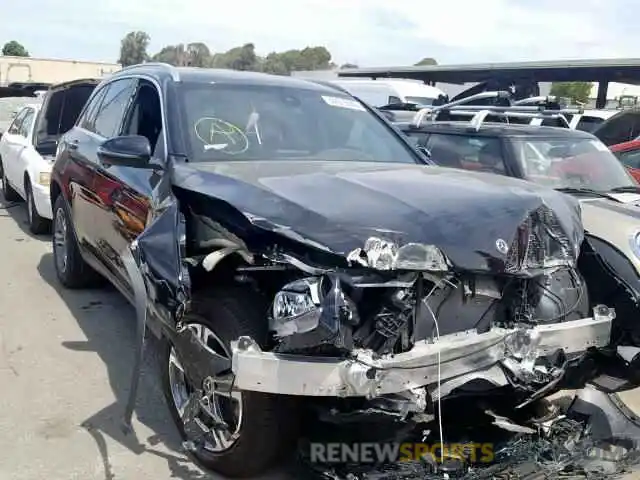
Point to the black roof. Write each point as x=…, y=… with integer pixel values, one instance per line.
x=494, y=129
x=163, y=71
x=623, y=70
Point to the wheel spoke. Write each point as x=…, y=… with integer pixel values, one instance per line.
x=223, y=401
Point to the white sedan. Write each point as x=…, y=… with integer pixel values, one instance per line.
x=25, y=172
x=28, y=147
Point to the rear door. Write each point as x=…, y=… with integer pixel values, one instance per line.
x=98, y=121
x=18, y=163
x=13, y=142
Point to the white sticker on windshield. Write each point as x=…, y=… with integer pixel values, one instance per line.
x=343, y=103
x=599, y=145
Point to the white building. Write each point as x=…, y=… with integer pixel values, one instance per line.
x=50, y=70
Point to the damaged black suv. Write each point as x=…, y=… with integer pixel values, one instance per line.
x=285, y=242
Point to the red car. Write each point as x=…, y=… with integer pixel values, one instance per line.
x=629, y=154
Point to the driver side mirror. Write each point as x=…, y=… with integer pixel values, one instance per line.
x=126, y=151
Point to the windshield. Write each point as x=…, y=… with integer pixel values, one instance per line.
x=257, y=122
x=571, y=163
x=420, y=100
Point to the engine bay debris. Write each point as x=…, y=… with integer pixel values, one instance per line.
x=588, y=438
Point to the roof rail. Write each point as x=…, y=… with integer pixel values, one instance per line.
x=479, y=116
x=433, y=110
x=170, y=69
x=516, y=111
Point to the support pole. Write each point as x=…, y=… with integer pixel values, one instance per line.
x=601, y=100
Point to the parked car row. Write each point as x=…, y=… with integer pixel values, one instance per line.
x=292, y=249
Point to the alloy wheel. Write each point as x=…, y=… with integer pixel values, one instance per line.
x=225, y=404
x=60, y=240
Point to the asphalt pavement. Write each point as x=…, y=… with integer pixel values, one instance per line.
x=65, y=365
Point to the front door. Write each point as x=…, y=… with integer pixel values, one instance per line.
x=126, y=192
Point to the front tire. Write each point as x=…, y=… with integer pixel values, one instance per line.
x=37, y=224
x=264, y=428
x=10, y=195
x=71, y=269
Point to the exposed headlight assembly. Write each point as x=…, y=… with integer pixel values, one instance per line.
x=312, y=312
x=386, y=255
x=296, y=308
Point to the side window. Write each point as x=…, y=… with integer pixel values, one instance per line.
x=145, y=115
x=113, y=107
x=588, y=124
x=88, y=117
x=393, y=99
x=630, y=159
x=27, y=120
x=418, y=139
x=617, y=130
x=470, y=153
x=15, y=126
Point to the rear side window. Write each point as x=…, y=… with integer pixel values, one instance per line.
x=630, y=159
x=27, y=121
x=588, y=124
x=467, y=152
x=112, y=109
x=89, y=115
x=617, y=129
x=15, y=126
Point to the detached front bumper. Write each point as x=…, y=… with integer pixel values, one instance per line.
x=459, y=355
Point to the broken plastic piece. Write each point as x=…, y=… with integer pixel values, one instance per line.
x=383, y=254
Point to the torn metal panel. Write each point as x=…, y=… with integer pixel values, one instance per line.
x=338, y=206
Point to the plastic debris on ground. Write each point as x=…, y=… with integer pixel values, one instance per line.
x=562, y=447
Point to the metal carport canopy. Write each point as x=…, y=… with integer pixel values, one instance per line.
x=623, y=70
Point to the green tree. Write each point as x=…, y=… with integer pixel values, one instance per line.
x=426, y=61
x=14, y=48
x=274, y=64
x=576, y=91
x=198, y=55
x=133, y=48
x=238, y=58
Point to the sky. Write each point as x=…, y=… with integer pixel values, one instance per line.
x=364, y=32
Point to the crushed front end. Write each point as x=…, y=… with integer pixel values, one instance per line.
x=404, y=319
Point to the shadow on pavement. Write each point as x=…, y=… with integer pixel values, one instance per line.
x=108, y=322
x=18, y=211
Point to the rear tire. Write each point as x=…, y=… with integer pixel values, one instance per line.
x=10, y=195
x=37, y=224
x=71, y=269
x=268, y=425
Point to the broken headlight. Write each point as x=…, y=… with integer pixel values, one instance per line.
x=386, y=255
x=311, y=313
x=296, y=308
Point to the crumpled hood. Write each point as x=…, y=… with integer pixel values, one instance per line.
x=337, y=206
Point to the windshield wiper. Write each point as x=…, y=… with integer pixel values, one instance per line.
x=587, y=191
x=626, y=189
